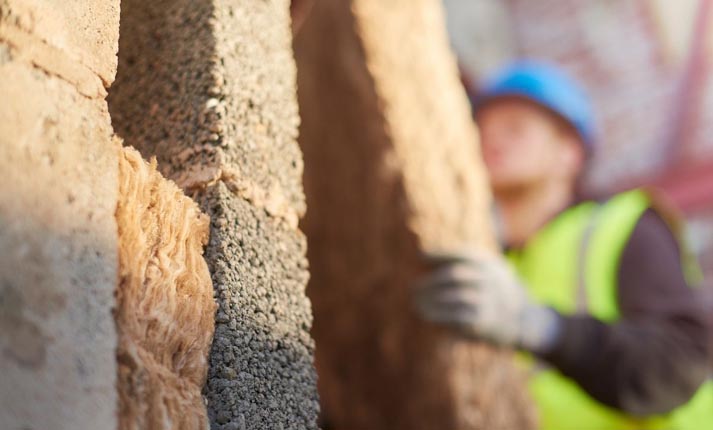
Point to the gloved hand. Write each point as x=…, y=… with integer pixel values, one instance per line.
x=480, y=296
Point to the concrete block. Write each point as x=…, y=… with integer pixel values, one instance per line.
x=58, y=252
x=87, y=32
x=165, y=306
x=393, y=169
x=208, y=87
x=213, y=84
x=261, y=366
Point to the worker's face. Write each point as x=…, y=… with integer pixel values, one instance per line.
x=524, y=144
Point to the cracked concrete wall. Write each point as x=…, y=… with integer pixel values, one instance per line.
x=165, y=309
x=392, y=169
x=58, y=235
x=208, y=87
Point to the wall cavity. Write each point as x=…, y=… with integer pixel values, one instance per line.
x=208, y=87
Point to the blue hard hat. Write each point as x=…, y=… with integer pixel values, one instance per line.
x=548, y=86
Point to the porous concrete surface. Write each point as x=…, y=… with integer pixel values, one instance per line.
x=58, y=245
x=87, y=32
x=213, y=84
x=261, y=370
x=165, y=309
x=208, y=87
x=392, y=170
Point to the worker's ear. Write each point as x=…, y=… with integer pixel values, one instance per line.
x=572, y=156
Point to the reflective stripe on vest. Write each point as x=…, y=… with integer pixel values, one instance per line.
x=573, y=263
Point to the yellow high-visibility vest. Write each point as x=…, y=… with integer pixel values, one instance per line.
x=572, y=265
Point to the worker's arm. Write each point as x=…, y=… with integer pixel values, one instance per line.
x=650, y=361
x=656, y=356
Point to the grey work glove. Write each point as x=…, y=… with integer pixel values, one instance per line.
x=480, y=296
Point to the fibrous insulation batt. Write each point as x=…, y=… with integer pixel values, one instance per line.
x=165, y=306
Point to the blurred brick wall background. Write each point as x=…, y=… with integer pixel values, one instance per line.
x=646, y=64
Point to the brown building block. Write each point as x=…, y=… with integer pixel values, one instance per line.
x=58, y=252
x=208, y=87
x=392, y=169
x=87, y=32
x=165, y=309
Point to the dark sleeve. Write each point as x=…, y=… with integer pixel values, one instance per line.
x=655, y=356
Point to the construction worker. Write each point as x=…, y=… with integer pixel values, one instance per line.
x=597, y=295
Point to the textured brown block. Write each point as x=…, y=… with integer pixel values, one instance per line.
x=392, y=169
x=58, y=252
x=165, y=305
x=85, y=31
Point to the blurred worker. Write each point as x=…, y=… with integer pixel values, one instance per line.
x=597, y=293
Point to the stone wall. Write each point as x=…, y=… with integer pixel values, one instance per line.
x=58, y=235
x=392, y=170
x=208, y=87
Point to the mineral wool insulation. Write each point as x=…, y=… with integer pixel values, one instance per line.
x=165, y=307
